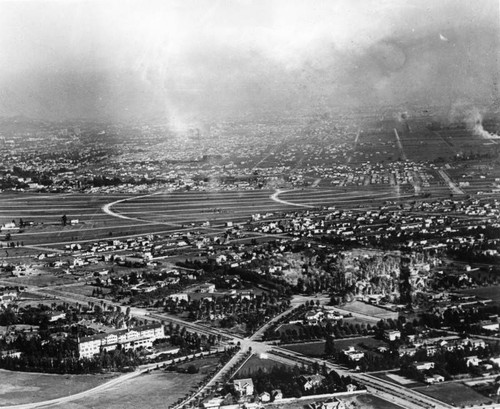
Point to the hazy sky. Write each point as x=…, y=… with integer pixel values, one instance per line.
x=116, y=59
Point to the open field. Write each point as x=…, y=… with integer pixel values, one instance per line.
x=21, y=387
x=368, y=309
x=397, y=379
x=254, y=364
x=42, y=280
x=204, y=365
x=454, y=394
x=369, y=342
x=309, y=348
x=490, y=292
x=81, y=289
x=318, y=348
x=148, y=391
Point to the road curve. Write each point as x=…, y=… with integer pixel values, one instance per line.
x=275, y=197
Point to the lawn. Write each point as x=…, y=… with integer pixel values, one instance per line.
x=254, y=364
x=81, y=289
x=21, y=387
x=490, y=292
x=396, y=379
x=43, y=280
x=318, y=348
x=149, y=391
x=204, y=365
x=456, y=394
x=309, y=349
x=368, y=309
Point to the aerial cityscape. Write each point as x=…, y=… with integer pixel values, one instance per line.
x=260, y=204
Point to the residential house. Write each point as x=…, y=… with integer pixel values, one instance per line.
x=392, y=335
x=244, y=386
x=277, y=394
x=472, y=361
x=311, y=381
x=434, y=379
x=265, y=397
x=423, y=366
x=353, y=354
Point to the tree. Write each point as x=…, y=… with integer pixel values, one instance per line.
x=64, y=220
x=329, y=346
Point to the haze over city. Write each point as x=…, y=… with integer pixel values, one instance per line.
x=178, y=59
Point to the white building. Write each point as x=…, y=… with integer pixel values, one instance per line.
x=128, y=339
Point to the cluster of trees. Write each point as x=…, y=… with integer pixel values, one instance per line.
x=340, y=329
x=464, y=321
x=253, y=312
x=447, y=363
x=313, y=332
x=189, y=341
x=213, y=271
x=290, y=380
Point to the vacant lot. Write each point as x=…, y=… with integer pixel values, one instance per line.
x=148, y=391
x=20, y=387
x=454, y=394
x=254, y=364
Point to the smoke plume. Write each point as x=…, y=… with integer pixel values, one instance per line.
x=474, y=121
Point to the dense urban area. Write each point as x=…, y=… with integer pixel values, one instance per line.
x=342, y=260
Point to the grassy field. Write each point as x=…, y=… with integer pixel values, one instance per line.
x=254, y=364
x=397, y=380
x=365, y=401
x=43, y=280
x=81, y=289
x=454, y=394
x=204, y=365
x=148, y=391
x=490, y=292
x=370, y=342
x=20, y=387
x=368, y=309
x=309, y=349
x=318, y=348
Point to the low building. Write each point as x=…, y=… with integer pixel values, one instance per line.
x=311, y=381
x=423, y=366
x=244, y=386
x=392, y=335
x=434, y=379
x=353, y=354
x=265, y=397
x=472, y=361
x=277, y=394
